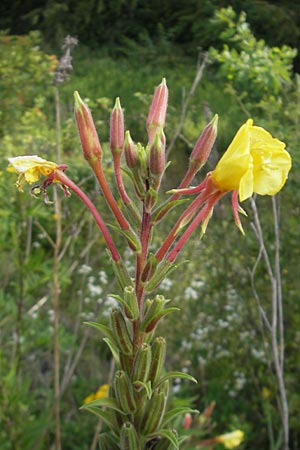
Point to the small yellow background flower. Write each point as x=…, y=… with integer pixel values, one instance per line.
x=102, y=392
x=231, y=440
x=254, y=162
x=30, y=168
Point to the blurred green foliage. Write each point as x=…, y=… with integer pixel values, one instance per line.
x=217, y=336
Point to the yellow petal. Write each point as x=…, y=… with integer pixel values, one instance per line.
x=235, y=161
x=254, y=162
x=31, y=168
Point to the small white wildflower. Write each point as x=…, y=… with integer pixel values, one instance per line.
x=166, y=284
x=103, y=277
x=190, y=293
x=84, y=269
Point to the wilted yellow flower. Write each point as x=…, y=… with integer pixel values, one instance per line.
x=30, y=168
x=102, y=392
x=254, y=162
x=231, y=440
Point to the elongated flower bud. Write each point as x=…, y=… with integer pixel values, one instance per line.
x=157, y=159
x=129, y=438
x=90, y=143
x=131, y=155
x=158, y=359
x=155, y=308
x=121, y=333
x=117, y=129
x=142, y=363
x=131, y=301
x=157, y=114
x=154, y=412
x=204, y=145
x=124, y=392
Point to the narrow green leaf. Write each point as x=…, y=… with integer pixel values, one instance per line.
x=176, y=374
x=168, y=435
x=113, y=349
x=170, y=415
x=106, y=402
x=101, y=327
x=123, y=303
x=146, y=386
x=104, y=415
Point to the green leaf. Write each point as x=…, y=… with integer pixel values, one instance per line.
x=146, y=386
x=106, y=402
x=113, y=348
x=175, y=374
x=104, y=415
x=168, y=435
x=170, y=415
x=123, y=303
x=101, y=327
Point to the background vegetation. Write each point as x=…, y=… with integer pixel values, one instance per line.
x=125, y=48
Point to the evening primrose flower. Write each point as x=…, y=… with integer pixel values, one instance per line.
x=230, y=440
x=30, y=169
x=254, y=162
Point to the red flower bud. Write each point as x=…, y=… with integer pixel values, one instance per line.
x=117, y=128
x=204, y=144
x=157, y=114
x=91, y=146
x=131, y=154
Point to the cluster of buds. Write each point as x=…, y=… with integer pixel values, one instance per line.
x=136, y=405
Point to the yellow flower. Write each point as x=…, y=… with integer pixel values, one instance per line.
x=30, y=168
x=102, y=392
x=254, y=162
x=231, y=440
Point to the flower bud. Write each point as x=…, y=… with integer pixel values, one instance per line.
x=141, y=364
x=131, y=301
x=157, y=159
x=90, y=143
x=154, y=310
x=131, y=154
x=124, y=392
x=120, y=331
x=157, y=114
x=187, y=421
x=158, y=359
x=117, y=129
x=129, y=438
x=154, y=412
x=204, y=145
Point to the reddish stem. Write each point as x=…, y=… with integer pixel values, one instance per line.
x=119, y=179
x=98, y=170
x=62, y=177
x=205, y=211
x=191, y=210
